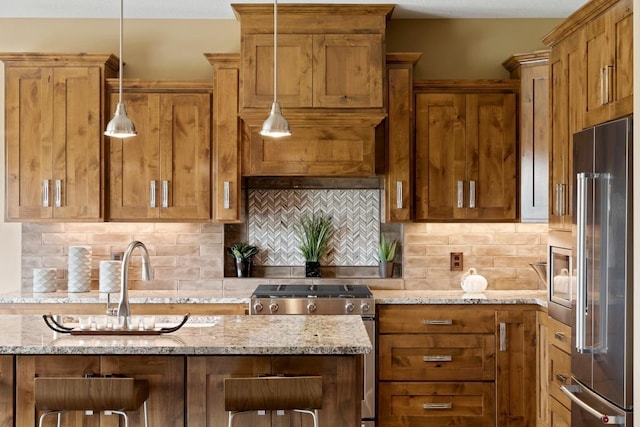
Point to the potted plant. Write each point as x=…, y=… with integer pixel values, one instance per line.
x=314, y=232
x=243, y=254
x=386, y=255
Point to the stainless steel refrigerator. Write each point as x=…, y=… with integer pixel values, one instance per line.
x=602, y=358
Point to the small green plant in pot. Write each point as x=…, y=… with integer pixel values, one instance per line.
x=243, y=254
x=314, y=233
x=386, y=255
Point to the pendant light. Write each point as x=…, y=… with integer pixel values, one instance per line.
x=275, y=125
x=121, y=125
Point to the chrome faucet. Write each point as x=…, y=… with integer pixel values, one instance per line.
x=123, y=306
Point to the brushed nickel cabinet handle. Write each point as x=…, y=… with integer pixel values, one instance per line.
x=399, y=195
x=58, y=199
x=460, y=194
x=472, y=194
x=45, y=193
x=602, y=90
x=226, y=196
x=437, y=358
x=165, y=193
x=152, y=194
x=561, y=378
x=503, y=336
x=437, y=321
x=560, y=336
x=437, y=406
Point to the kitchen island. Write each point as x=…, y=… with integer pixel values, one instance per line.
x=186, y=368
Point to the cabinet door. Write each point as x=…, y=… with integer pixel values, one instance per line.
x=542, y=369
x=608, y=41
x=7, y=385
x=165, y=375
x=164, y=171
x=294, y=70
x=491, y=173
x=54, y=140
x=347, y=71
x=134, y=163
x=440, y=156
x=185, y=156
x=516, y=367
x=534, y=143
x=398, y=182
x=227, y=200
x=560, y=415
x=567, y=75
x=28, y=367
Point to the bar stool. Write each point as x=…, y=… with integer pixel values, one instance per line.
x=112, y=395
x=299, y=394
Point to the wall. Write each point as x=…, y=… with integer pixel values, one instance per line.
x=172, y=49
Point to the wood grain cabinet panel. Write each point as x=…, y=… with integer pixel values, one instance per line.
x=53, y=130
x=466, y=147
x=438, y=404
x=164, y=373
x=163, y=173
x=7, y=387
x=447, y=365
x=560, y=416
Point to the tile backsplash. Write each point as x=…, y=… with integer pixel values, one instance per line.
x=191, y=256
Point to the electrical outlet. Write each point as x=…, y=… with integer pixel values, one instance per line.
x=455, y=263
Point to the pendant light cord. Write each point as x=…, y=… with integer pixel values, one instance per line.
x=275, y=51
x=121, y=66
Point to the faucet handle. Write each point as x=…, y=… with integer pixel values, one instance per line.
x=112, y=309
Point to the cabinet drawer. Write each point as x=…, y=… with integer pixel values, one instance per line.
x=560, y=335
x=436, y=357
x=560, y=372
x=435, y=319
x=436, y=404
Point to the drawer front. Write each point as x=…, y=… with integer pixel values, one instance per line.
x=437, y=357
x=435, y=319
x=436, y=404
x=560, y=335
x=560, y=372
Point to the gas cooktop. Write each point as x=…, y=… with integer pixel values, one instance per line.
x=312, y=299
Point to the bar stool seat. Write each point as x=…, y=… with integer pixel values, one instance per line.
x=112, y=395
x=300, y=394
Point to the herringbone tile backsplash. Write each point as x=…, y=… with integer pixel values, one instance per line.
x=355, y=216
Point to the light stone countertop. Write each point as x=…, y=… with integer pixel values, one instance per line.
x=382, y=296
x=201, y=335
x=536, y=297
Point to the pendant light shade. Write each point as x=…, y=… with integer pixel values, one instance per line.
x=121, y=125
x=275, y=126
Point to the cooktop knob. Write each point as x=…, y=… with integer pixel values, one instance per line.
x=273, y=307
x=257, y=307
x=349, y=307
x=311, y=307
x=365, y=307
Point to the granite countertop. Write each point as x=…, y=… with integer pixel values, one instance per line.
x=536, y=297
x=382, y=296
x=201, y=335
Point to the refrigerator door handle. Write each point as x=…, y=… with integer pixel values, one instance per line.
x=572, y=390
x=581, y=264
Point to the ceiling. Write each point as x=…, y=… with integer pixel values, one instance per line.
x=220, y=9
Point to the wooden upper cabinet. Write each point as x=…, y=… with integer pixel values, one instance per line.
x=163, y=173
x=329, y=56
x=465, y=152
x=532, y=69
x=54, y=125
x=608, y=43
x=399, y=137
x=227, y=191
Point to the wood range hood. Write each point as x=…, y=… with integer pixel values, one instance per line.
x=331, y=85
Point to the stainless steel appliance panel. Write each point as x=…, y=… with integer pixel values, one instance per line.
x=562, y=284
x=602, y=357
x=590, y=410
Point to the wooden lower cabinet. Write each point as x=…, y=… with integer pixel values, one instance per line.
x=418, y=404
x=165, y=375
x=6, y=390
x=456, y=365
x=560, y=416
x=341, y=377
